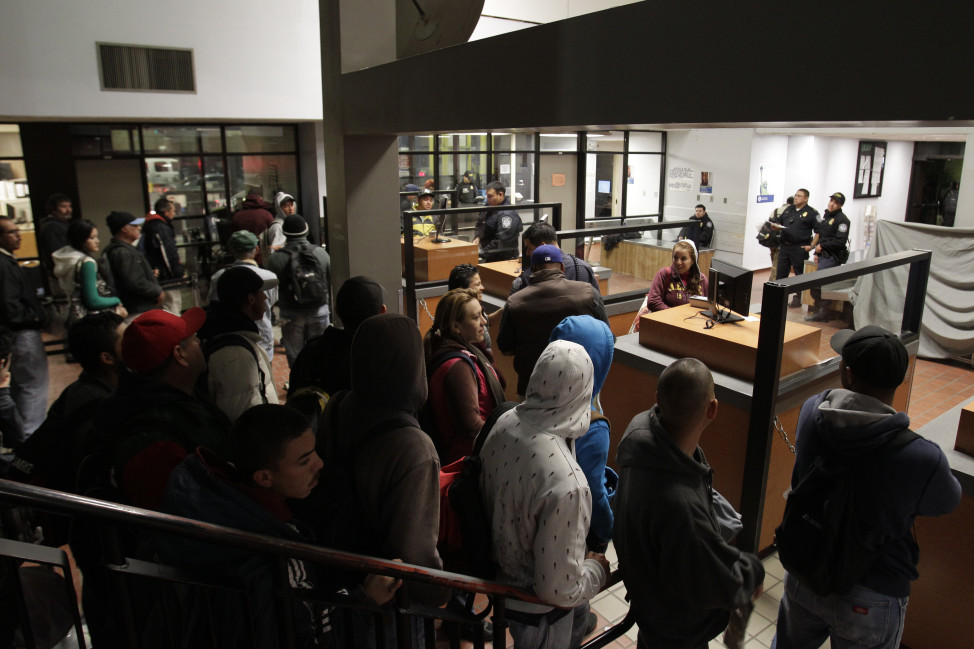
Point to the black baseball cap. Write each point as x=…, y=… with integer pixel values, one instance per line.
x=838, y=197
x=874, y=354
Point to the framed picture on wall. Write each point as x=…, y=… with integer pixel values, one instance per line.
x=869, y=169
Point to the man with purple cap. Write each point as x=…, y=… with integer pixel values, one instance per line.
x=898, y=476
x=155, y=417
x=532, y=313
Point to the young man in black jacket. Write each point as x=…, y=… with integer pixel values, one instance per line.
x=132, y=275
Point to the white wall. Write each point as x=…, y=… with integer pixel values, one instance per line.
x=253, y=60
x=769, y=152
x=724, y=153
x=502, y=16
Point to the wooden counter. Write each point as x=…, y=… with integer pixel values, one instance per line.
x=731, y=347
x=642, y=258
x=497, y=277
x=435, y=260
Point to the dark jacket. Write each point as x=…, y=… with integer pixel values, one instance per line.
x=498, y=233
x=324, y=362
x=253, y=216
x=576, y=269
x=132, y=276
x=394, y=476
x=19, y=307
x=466, y=194
x=682, y=577
x=280, y=265
x=532, y=314
x=914, y=481
x=799, y=225
x=700, y=233
x=833, y=235
x=146, y=428
x=206, y=488
x=159, y=243
x=52, y=234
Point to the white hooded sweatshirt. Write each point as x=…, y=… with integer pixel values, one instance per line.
x=536, y=496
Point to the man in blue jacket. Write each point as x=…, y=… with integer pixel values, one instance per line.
x=913, y=480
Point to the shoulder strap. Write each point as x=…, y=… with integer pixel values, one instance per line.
x=489, y=425
x=232, y=339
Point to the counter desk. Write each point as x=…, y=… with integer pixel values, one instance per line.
x=642, y=258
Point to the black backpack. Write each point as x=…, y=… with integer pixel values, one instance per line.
x=820, y=539
x=306, y=283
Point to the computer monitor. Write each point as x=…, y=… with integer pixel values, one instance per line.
x=729, y=290
x=439, y=222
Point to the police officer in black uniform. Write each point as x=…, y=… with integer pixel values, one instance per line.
x=831, y=245
x=797, y=225
x=497, y=231
x=467, y=191
x=700, y=233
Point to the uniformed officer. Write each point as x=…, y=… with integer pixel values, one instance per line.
x=497, y=231
x=797, y=225
x=831, y=245
x=700, y=233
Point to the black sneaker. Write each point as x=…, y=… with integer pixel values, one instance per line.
x=796, y=303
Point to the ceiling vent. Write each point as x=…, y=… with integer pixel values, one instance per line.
x=145, y=69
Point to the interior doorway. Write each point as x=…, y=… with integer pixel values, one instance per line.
x=935, y=182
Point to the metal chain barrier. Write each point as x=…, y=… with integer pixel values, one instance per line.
x=784, y=434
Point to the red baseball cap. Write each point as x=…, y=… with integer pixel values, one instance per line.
x=151, y=337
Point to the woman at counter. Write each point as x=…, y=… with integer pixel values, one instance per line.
x=674, y=284
x=464, y=387
x=79, y=273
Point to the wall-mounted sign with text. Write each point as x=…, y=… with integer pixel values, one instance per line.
x=680, y=179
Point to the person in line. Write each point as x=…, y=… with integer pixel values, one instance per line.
x=831, y=245
x=464, y=387
x=79, y=275
x=271, y=461
x=539, y=503
x=542, y=233
x=408, y=201
x=52, y=233
x=239, y=374
x=673, y=285
x=423, y=223
x=132, y=276
x=683, y=578
x=155, y=417
x=497, y=231
x=531, y=314
x=253, y=215
x=796, y=228
x=592, y=448
x=772, y=240
x=379, y=493
x=325, y=362
x=159, y=244
x=21, y=312
x=11, y=423
x=700, y=233
x=468, y=276
x=915, y=480
x=273, y=237
x=243, y=246
x=303, y=317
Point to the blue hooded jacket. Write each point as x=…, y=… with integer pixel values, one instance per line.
x=592, y=448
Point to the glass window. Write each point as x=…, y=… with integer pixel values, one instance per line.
x=100, y=140
x=10, y=141
x=603, y=191
x=415, y=142
x=645, y=142
x=215, y=183
x=559, y=141
x=269, y=173
x=186, y=189
x=643, y=178
x=418, y=167
x=165, y=173
x=448, y=178
x=471, y=141
x=170, y=139
x=212, y=141
x=259, y=139
x=446, y=142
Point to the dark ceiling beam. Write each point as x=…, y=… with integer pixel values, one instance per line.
x=666, y=62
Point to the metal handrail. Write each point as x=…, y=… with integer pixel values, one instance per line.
x=774, y=308
x=17, y=494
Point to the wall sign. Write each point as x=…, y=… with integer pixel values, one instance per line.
x=869, y=169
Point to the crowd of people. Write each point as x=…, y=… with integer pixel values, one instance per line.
x=179, y=413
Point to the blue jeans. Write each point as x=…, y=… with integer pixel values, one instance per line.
x=860, y=619
x=28, y=378
x=298, y=329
